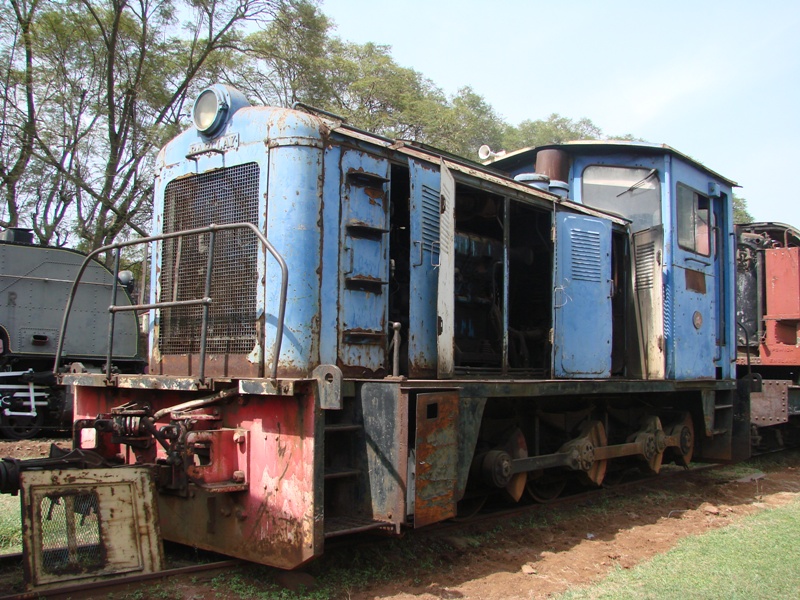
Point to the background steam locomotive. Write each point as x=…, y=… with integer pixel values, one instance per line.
x=353, y=333
x=34, y=286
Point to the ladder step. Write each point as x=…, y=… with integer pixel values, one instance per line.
x=341, y=473
x=343, y=525
x=722, y=406
x=340, y=427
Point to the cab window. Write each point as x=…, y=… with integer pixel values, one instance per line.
x=630, y=192
x=694, y=221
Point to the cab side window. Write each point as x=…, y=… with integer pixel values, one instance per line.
x=694, y=221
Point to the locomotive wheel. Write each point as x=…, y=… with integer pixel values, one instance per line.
x=594, y=433
x=468, y=507
x=654, y=441
x=544, y=489
x=516, y=448
x=21, y=428
x=684, y=431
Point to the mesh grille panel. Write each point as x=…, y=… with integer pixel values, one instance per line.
x=225, y=196
x=70, y=533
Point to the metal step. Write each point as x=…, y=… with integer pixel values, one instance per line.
x=342, y=427
x=335, y=526
x=340, y=473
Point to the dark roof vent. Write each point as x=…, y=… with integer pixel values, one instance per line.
x=19, y=235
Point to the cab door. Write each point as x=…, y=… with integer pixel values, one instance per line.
x=693, y=287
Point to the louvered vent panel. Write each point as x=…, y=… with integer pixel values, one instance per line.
x=430, y=215
x=645, y=266
x=585, y=254
x=225, y=196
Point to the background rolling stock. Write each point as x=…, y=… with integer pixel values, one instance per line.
x=34, y=285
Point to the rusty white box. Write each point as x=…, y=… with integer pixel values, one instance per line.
x=89, y=524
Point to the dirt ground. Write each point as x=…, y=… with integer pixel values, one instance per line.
x=566, y=546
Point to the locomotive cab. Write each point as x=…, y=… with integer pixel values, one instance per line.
x=681, y=225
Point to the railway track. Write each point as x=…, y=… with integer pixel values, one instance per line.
x=176, y=554
x=213, y=565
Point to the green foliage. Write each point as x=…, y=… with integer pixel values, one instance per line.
x=553, y=130
x=10, y=525
x=740, y=212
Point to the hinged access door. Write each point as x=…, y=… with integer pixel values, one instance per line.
x=424, y=210
x=364, y=261
x=648, y=253
x=447, y=267
x=437, y=457
x=582, y=293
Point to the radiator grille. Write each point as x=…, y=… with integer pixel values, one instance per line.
x=225, y=196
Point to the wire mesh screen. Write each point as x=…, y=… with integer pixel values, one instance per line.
x=71, y=533
x=224, y=196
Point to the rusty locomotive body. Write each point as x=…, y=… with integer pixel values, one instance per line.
x=354, y=333
x=768, y=334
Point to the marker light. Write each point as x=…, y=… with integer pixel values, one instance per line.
x=214, y=107
x=210, y=111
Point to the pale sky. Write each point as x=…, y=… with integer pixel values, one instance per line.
x=717, y=80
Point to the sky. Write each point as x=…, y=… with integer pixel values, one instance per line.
x=716, y=80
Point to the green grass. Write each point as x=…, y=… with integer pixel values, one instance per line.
x=10, y=526
x=755, y=558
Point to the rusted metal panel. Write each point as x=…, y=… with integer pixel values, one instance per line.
x=329, y=386
x=221, y=365
x=267, y=387
x=771, y=405
x=88, y=525
x=470, y=415
x=221, y=459
x=275, y=521
x=436, y=457
x=157, y=382
x=386, y=433
x=783, y=283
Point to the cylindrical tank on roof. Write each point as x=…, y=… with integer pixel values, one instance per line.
x=554, y=163
x=537, y=180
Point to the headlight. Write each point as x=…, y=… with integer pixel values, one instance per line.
x=209, y=111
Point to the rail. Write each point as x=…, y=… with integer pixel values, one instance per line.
x=205, y=301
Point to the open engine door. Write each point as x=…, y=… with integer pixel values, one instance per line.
x=648, y=252
x=445, y=303
x=582, y=323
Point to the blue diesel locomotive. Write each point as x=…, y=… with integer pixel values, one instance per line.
x=354, y=333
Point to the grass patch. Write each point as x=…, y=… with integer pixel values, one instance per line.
x=10, y=524
x=750, y=559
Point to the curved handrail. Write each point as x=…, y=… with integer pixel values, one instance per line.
x=205, y=301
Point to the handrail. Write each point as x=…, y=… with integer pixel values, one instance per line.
x=205, y=301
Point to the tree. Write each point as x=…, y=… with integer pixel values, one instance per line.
x=740, y=212
x=18, y=111
x=109, y=83
x=553, y=130
x=472, y=122
x=285, y=62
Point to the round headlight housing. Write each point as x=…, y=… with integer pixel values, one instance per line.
x=210, y=111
